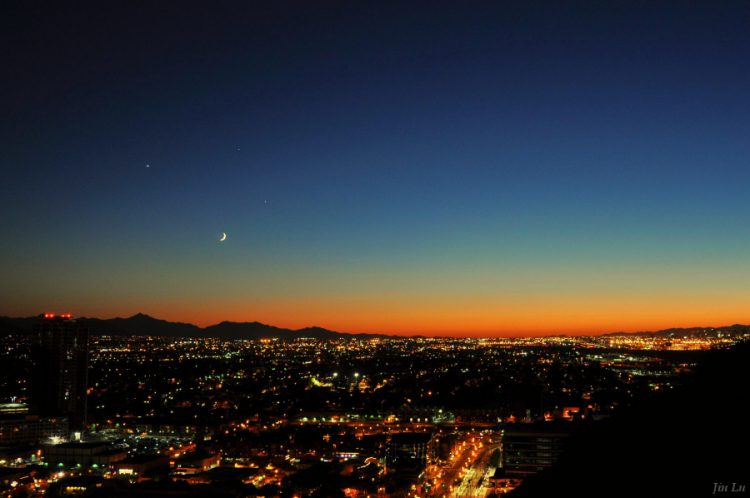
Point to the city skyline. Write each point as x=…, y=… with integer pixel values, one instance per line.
x=495, y=169
x=351, y=417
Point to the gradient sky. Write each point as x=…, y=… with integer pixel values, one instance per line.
x=480, y=168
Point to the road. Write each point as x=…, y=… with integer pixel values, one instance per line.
x=476, y=478
x=466, y=474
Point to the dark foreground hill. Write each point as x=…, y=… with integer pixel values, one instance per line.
x=678, y=444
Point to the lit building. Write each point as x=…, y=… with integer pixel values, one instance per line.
x=137, y=468
x=199, y=461
x=530, y=448
x=13, y=409
x=78, y=454
x=18, y=429
x=61, y=368
x=410, y=452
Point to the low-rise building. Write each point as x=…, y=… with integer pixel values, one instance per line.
x=82, y=454
x=18, y=427
x=194, y=462
x=140, y=467
x=530, y=448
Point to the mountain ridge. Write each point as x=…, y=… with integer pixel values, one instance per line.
x=141, y=324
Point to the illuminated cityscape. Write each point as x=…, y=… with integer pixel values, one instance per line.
x=354, y=416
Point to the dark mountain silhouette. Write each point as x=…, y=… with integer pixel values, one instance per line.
x=243, y=330
x=141, y=324
x=8, y=324
x=736, y=329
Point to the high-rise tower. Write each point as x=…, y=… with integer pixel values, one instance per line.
x=62, y=357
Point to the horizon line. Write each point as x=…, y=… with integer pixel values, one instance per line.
x=448, y=335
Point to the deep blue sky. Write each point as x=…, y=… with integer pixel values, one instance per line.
x=473, y=167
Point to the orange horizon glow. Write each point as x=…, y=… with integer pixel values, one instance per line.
x=481, y=316
x=471, y=318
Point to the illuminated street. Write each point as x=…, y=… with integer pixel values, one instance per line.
x=475, y=478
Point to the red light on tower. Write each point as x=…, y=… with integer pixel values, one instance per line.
x=63, y=315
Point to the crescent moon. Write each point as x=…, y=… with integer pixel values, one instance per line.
x=223, y=237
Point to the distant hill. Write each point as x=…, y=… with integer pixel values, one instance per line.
x=141, y=324
x=736, y=329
